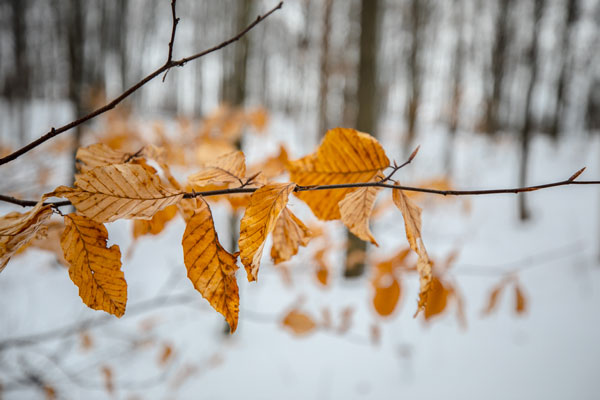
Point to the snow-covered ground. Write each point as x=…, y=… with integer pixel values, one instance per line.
x=551, y=352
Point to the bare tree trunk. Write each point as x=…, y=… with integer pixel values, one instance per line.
x=19, y=88
x=532, y=62
x=324, y=70
x=367, y=113
x=499, y=55
x=417, y=21
x=457, y=82
x=572, y=13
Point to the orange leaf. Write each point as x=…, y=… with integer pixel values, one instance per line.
x=412, y=224
x=299, y=323
x=355, y=210
x=288, y=235
x=437, y=299
x=344, y=156
x=17, y=229
x=97, y=155
x=166, y=354
x=228, y=168
x=112, y=192
x=520, y=300
x=155, y=225
x=210, y=267
x=266, y=204
x=493, y=299
x=93, y=268
x=387, y=295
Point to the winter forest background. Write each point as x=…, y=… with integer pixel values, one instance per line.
x=498, y=93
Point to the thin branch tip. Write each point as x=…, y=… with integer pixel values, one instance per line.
x=414, y=153
x=576, y=174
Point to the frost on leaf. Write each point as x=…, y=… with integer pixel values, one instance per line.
x=94, y=268
x=228, y=168
x=344, y=156
x=112, y=192
x=17, y=229
x=210, y=267
x=288, y=235
x=356, y=209
x=260, y=217
x=412, y=224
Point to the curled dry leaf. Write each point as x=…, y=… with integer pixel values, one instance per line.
x=210, y=267
x=48, y=239
x=94, y=268
x=288, y=235
x=266, y=204
x=412, y=224
x=299, y=323
x=344, y=156
x=17, y=229
x=228, y=168
x=112, y=192
x=355, y=210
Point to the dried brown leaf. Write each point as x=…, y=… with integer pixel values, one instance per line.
x=17, y=229
x=412, y=224
x=520, y=300
x=266, y=204
x=355, y=210
x=156, y=224
x=94, y=268
x=112, y=192
x=299, y=323
x=210, y=267
x=288, y=235
x=344, y=156
x=228, y=168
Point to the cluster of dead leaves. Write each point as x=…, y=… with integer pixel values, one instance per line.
x=114, y=185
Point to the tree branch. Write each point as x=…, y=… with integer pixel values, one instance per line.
x=109, y=106
x=243, y=189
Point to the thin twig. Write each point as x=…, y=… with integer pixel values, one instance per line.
x=172, y=41
x=109, y=106
x=238, y=190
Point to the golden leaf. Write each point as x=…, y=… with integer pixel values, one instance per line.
x=266, y=204
x=344, y=156
x=520, y=300
x=228, y=168
x=493, y=299
x=355, y=210
x=17, y=229
x=210, y=268
x=437, y=299
x=155, y=225
x=98, y=155
x=412, y=224
x=94, y=268
x=112, y=192
x=299, y=323
x=387, y=290
x=288, y=235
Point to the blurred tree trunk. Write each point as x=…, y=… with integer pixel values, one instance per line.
x=417, y=19
x=499, y=55
x=19, y=84
x=75, y=50
x=367, y=112
x=528, y=123
x=457, y=82
x=564, y=56
x=324, y=69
